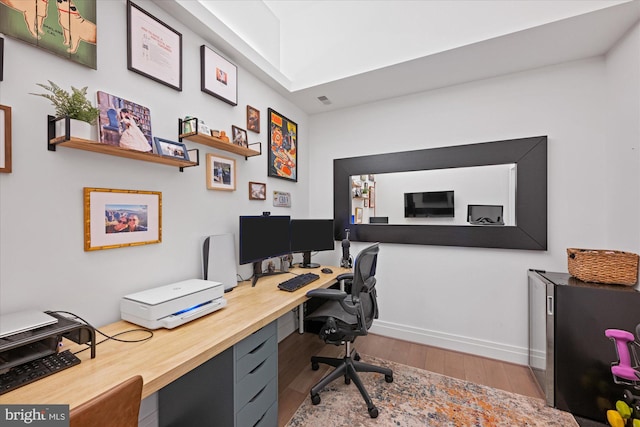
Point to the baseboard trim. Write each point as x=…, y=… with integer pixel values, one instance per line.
x=490, y=349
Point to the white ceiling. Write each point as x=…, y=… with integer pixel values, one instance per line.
x=356, y=52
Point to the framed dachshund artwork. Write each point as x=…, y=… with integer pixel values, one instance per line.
x=66, y=28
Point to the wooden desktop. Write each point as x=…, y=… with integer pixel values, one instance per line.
x=170, y=353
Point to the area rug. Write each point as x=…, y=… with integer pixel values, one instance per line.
x=421, y=398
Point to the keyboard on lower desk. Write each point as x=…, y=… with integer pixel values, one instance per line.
x=298, y=282
x=36, y=369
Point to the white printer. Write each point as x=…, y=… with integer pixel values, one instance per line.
x=173, y=305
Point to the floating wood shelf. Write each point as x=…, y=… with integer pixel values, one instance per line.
x=214, y=142
x=97, y=147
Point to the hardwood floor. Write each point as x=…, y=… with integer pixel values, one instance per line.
x=295, y=377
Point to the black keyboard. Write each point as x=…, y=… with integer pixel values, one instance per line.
x=298, y=281
x=36, y=369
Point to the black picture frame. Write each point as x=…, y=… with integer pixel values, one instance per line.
x=144, y=53
x=1, y=59
x=218, y=76
x=282, y=157
x=530, y=233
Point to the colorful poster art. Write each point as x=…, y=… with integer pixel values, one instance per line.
x=283, y=147
x=63, y=27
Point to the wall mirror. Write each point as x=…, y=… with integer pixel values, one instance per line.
x=523, y=162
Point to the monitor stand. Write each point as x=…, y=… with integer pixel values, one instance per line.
x=306, y=261
x=258, y=273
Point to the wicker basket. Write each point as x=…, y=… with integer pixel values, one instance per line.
x=603, y=266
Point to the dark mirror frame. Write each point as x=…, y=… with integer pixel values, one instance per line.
x=530, y=231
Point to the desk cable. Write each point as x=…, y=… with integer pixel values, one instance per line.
x=109, y=337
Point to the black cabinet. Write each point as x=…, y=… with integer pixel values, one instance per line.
x=568, y=351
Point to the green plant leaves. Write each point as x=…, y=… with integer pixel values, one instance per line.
x=74, y=104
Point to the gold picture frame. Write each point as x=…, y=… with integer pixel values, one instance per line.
x=5, y=139
x=119, y=218
x=221, y=173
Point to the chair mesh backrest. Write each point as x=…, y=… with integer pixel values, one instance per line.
x=364, y=282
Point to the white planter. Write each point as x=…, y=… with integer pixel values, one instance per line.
x=78, y=129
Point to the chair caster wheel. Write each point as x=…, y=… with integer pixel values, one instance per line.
x=315, y=399
x=356, y=357
x=315, y=366
x=388, y=378
x=373, y=412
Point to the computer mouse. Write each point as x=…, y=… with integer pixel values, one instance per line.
x=327, y=270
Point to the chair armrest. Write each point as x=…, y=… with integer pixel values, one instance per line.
x=344, y=276
x=329, y=294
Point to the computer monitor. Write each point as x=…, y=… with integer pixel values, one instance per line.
x=310, y=235
x=263, y=237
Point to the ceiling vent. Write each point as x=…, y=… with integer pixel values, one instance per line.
x=324, y=100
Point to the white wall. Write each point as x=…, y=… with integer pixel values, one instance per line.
x=475, y=299
x=42, y=261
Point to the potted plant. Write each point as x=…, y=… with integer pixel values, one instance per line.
x=74, y=105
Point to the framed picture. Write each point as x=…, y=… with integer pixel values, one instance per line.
x=117, y=218
x=239, y=136
x=168, y=148
x=65, y=28
x=1, y=59
x=221, y=173
x=366, y=203
x=154, y=49
x=253, y=119
x=218, y=77
x=283, y=147
x=281, y=199
x=257, y=191
x=5, y=139
x=358, y=215
x=372, y=197
x=124, y=123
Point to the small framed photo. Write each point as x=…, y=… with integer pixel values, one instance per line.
x=118, y=218
x=257, y=191
x=253, y=119
x=218, y=77
x=239, y=136
x=221, y=173
x=5, y=139
x=282, y=155
x=154, y=49
x=372, y=197
x=173, y=149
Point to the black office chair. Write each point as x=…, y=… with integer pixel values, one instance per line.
x=346, y=317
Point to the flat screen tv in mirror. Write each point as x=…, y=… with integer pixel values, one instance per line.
x=429, y=204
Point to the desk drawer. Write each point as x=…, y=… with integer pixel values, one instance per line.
x=254, y=358
x=270, y=418
x=250, y=343
x=256, y=410
x=250, y=386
